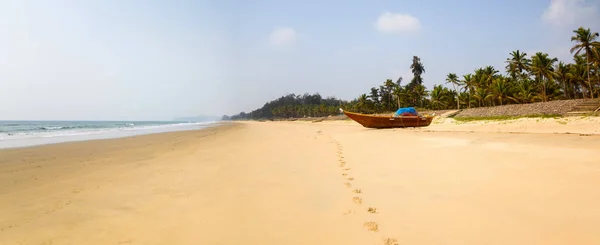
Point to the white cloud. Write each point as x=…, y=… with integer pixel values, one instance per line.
x=570, y=13
x=397, y=23
x=564, y=16
x=283, y=36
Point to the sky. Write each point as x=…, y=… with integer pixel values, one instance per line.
x=156, y=60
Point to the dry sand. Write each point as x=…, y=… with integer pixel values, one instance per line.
x=305, y=183
x=564, y=125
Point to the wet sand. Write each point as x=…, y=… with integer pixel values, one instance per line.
x=304, y=183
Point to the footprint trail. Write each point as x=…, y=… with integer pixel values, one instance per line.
x=357, y=200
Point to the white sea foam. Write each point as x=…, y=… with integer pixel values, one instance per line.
x=57, y=134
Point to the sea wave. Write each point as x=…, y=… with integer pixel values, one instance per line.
x=52, y=128
x=23, y=131
x=57, y=134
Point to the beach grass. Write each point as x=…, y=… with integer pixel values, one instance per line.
x=504, y=118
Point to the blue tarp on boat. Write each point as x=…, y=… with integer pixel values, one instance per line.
x=409, y=110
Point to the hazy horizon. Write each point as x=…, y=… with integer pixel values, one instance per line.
x=159, y=60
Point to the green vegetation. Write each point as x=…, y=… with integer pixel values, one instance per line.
x=536, y=78
x=502, y=118
x=295, y=106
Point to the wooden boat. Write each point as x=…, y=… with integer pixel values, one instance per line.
x=374, y=121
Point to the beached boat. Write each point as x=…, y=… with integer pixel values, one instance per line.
x=375, y=121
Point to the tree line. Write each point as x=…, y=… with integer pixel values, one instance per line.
x=294, y=106
x=527, y=78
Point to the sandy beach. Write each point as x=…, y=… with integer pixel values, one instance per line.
x=293, y=183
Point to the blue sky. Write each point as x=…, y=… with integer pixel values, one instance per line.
x=155, y=60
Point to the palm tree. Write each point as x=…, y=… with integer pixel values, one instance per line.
x=399, y=81
x=577, y=73
x=389, y=85
x=453, y=78
x=517, y=63
x=562, y=75
x=399, y=93
x=526, y=93
x=374, y=96
x=420, y=92
x=483, y=78
x=417, y=69
x=542, y=67
x=438, y=97
x=501, y=89
x=469, y=85
x=449, y=97
x=586, y=42
x=363, y=103
x=596, y=62
x=481, y=95
x=463, y=98
x=490, y=73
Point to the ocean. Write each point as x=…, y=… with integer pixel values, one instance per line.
x=29, y=133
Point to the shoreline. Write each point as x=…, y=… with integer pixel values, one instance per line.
x=442, y=125
x=13, y=143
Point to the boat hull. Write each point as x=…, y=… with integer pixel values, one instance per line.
x=373, y=121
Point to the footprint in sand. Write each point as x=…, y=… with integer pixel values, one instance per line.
x=357, y=191
x=372, y=210
x=390, y=241
x=357, y=200
x=346, y=169
x=344, y=174
x=350, y=178
x=347, y=184
x=371, y=226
